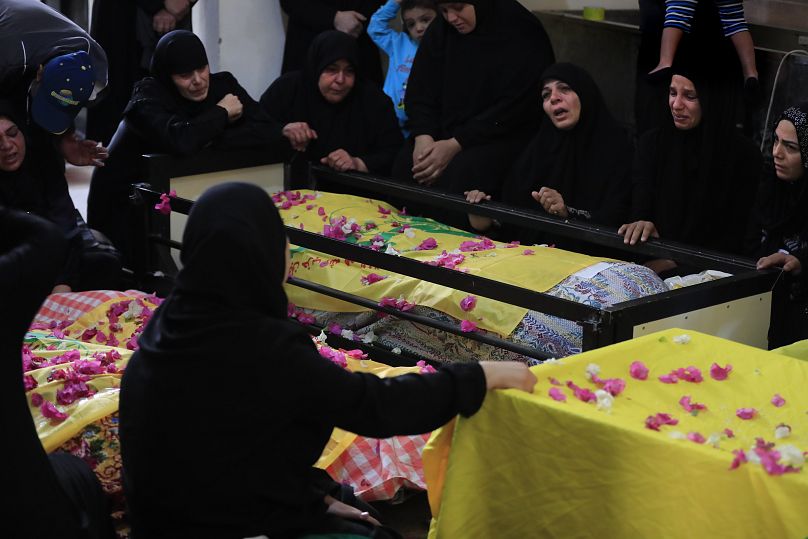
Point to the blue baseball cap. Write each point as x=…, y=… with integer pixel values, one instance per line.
x=65, y=87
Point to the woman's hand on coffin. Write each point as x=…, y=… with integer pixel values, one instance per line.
x=232, y=104
x=551, y=200
x=435, y=160
x=82, y=153
x=163, y=22
x=507, y=375
x=660, y=265
x=638, y=230
x=786, y=261
x=343, y=510
x=60, y=288
x=299, y=135
x=342, y=161
x=475, y=196
x=350, y=22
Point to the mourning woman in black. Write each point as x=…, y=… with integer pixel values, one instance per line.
x=471, y=95
x=181, y=109
x=55, y=495
x=779, y=225
x=33, y=180
x=578, y=165
x=695, y=177
x=330, y=114
x=255, y=434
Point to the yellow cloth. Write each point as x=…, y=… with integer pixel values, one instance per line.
x=798, y=350
x=528, y=466
x=539, y=271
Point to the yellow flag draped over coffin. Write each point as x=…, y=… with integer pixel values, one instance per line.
x=534, y=268
x=528, y=466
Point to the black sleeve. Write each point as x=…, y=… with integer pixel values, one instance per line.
x=387, y=140
x=174, y=133
x=613, y=208
x=381, y=407
x=314, y=14
x=642, y=178
x=255, y=128
x=425, y=87
x=150, y=6
x=747, y=171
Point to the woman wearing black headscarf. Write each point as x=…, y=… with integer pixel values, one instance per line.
x=31, y=181
x=256, y=436
x=694, y=177
x=471, y=95
x=779, y=225
x=181, y=109
x=57, y=495
x=579, y=163
x=331, y=114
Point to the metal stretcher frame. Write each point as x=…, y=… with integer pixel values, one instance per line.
x=600, y=326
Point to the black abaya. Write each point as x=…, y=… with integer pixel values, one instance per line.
x=252, y=437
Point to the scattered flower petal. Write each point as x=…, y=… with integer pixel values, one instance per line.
x=427, y=245
x=592, y=370
x=691, y=407
x=468, y=303
x=718, y=373
x=528, y=252
x=696, y=437
x=638, y=370
x=746, y=413
x=371, y=278
x=668, y=379
x=729, y=433
x=777, y=400
x=425, y=368
x=467, y=326
x=605, y=400
x=557, y=395
x=782, y=431
x=682, y=339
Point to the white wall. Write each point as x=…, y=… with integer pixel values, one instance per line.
x=244, y=37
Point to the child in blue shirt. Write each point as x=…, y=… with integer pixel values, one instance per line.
x=400, y=47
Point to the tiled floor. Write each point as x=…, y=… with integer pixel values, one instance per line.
x=78, y=182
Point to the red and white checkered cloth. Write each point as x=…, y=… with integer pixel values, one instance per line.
x=69, y=306
x=378, y=468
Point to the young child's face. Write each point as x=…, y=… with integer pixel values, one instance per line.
x=417, y=20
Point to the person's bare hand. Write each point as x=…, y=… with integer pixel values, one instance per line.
x=551, y=200
x=434, y=161
x=343, y=510
x=476, y=196
x=350, y=22
x=299, y=135
x=82, y=153
x=178, y=8
x=788, y=262
x=507, y=375
x=60, y=288
x=341, y=161
x=232, y=104
x=638, y=230
x=163, y=22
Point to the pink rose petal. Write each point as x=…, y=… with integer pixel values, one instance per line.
x=777, y=400
x=557, y=395
x=638, y=370
x=729, y=433
x=740, y=458
x=718, y=373
x=425, y=368
x=668, y=379
x=468, y=303
x=371, y=278
x=427, y=245
x=467, y=326
x=528, y=252
x=746, y=413
x=696, y=437
x=691, y=407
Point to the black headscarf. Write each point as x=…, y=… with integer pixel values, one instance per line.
x=479, y=86
x=363, y=123
x=588, y=164
x=233, y=259
x=781, y=210
x=697, y=181
x=179, y=51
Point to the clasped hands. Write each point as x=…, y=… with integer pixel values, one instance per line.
x=430, y=158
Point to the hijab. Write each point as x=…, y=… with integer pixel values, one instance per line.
x=697, y=170
x=585, y=164
x=233, y=256
x=457, y=77
x=782, y=206
x=179, y=51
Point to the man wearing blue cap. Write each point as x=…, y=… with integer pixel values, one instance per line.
x=51, y=68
